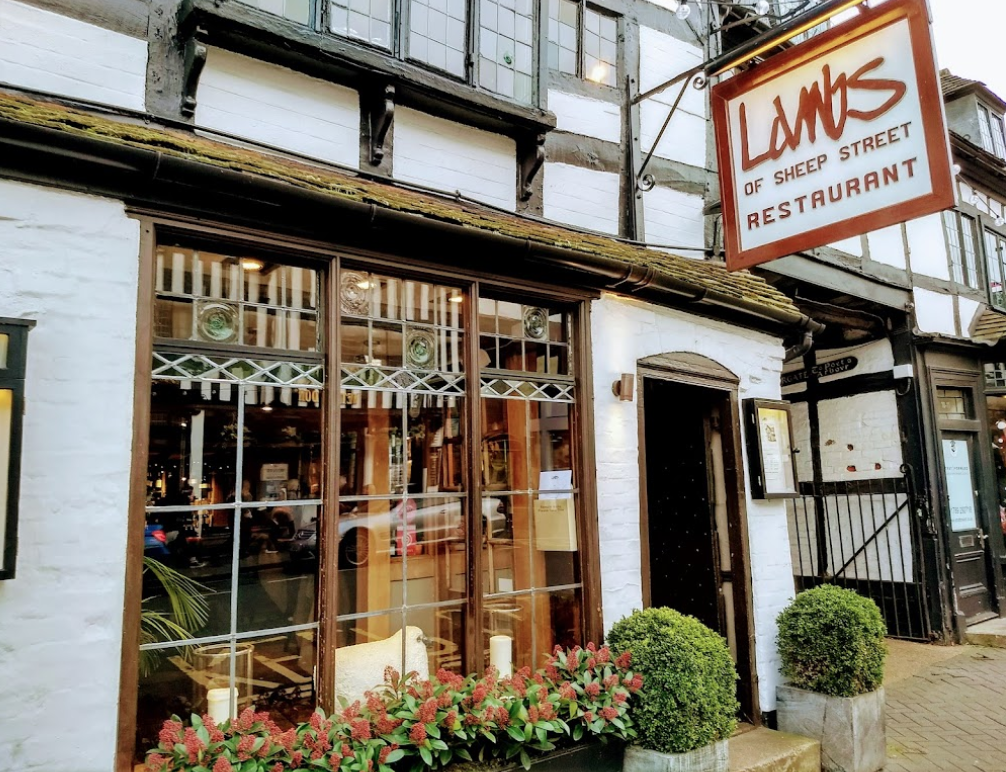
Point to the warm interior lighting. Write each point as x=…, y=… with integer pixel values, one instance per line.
x=364, y=284
x=456, y=297
x=251, y=264
x=819, y=16
x=598, y=72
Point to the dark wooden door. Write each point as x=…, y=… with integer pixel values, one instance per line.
x=968, y=541
x=684, y=566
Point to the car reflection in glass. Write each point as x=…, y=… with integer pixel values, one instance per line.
x=424, y=523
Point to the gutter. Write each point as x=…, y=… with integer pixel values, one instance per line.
x=43, y=155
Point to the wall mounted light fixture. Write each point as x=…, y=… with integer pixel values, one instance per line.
x=13, y=356
x=624, y=388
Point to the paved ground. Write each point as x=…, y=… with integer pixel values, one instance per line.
x=946, y=709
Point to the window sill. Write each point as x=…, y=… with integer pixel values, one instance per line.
x=247, y=30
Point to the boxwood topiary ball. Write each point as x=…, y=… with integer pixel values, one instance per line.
x=689, y=695
x=831, y=641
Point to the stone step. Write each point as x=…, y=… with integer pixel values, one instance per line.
x=765, y=750
x=990, y=633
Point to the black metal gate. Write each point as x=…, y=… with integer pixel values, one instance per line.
x=864, y=535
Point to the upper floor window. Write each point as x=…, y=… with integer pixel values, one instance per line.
x=962, y=247
x=991, y=127
x=501, y=58
x=995, y=259
x=582, y=41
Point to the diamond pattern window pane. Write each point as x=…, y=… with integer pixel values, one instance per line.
x=367, y=20
x=437, y=34
x=294, y=10
x=505, y=54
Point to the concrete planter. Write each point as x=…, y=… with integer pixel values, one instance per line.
x=709, y=758
x=851, y=730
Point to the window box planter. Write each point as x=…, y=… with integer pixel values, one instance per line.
x=851, y=730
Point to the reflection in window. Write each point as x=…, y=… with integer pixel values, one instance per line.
x=438, y=32
x=295, y=10
x=995, y=257
x=505, y=47
x=233, y=501
x=990, y=126
x=404, y=516
x=531, y=582
x=367, y=20
x=582, y=41
x=962, y=247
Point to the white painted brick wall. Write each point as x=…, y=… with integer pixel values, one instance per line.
x=624, y=331
x=69, y=262
x=46, y=51
x=589, y=117
x=662, y=57
x=927, y=246
x=934, y=311
x=674, y=218
x=277, y=106
x=584, y=197
x=451, y=157
x=860, y=438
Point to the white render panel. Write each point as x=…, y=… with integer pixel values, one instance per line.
x=860, y=438
x=673, y=218
x=853, y=246
x=583, y=197
x=927, y=246
x=968, y=310
x=277, y=106
x=451, y=157
x=589, y=117
x=887, y=246
x=624, y=331
x=70, y=263
x=662, y=57
x=934, y=311
x=46, y=51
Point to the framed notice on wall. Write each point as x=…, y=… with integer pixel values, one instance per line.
x=771, y=463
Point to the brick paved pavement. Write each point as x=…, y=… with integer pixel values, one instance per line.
x=950, y=716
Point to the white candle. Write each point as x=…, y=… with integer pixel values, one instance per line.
x=500, y=654
x=219, y=703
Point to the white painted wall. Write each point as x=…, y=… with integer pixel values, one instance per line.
x=969, y=310
x=934, y=311
x=662, y=57
x=46, y=51
x=277, y=106
x=887, y=246
x=69, y=262
x=859, y=437
x=589, y=117
x=451, y=157
x=624, y=331
x=673, y=218
x=927, y=246
x=583, y=197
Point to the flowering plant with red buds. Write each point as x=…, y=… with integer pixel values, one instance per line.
x=418, y=725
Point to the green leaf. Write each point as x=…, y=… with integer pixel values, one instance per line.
x=395, y=755
x=515, y=733
x=540, y=733
x=439, y=745
x=577, y=731
x=433, y=730
x=525, y=759
x=426, y=756
x=463, y=754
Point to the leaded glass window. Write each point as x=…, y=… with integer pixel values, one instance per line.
x=995, y=265
x=990, y=126
x=506, y=57
x=961, y=247
x=294, y=10
x=438, y=33
x=563, y=35
x=582, y=41
x=367, y=20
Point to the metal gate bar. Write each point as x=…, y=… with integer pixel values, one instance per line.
x=863, y=535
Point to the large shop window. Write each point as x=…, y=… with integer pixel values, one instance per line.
x=457, y=517
x=501, y=57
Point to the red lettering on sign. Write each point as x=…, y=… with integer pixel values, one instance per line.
x=817, y=105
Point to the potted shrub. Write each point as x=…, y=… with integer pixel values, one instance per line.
x=831, y=642
x=688, y=706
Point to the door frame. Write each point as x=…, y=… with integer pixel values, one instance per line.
x=696, y=370
x=973, y=382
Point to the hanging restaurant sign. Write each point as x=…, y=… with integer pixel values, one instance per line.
x=840, y=135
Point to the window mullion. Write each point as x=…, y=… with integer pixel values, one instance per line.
x=401, y=37
x=472, y=54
